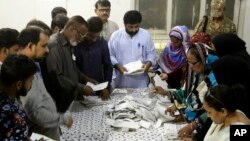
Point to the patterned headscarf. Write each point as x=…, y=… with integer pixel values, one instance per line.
x=201, y=37
x=202, y=56
x=173, y=58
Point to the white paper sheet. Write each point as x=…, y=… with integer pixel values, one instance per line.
x=36, y=136
x=134, y=68
x=98, y=87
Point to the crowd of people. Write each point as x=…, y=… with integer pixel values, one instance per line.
x=44, y=69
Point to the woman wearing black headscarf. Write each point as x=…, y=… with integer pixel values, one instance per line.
x=233, y=67
x=231, y=44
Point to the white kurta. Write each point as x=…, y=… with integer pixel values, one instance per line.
x=124, y=49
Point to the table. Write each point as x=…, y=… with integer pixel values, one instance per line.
x=89, y=124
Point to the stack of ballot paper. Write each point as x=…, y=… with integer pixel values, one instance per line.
x=134, y=68
x=98, y=87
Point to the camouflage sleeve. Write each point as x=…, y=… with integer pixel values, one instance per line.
x=198, y=27
x=233, y=29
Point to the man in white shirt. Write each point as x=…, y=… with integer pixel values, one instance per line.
x=131, y=44
x=102, y=10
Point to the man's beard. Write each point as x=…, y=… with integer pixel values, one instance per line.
x=73, y=42
x=132, y=33
x=22, y=92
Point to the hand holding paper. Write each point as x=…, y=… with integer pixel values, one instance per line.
x=98, y=87
x=134, y=68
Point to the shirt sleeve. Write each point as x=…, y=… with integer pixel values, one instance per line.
x=107, y=65
x=55, y=71
x=150, y=52
x=112, y=44
x=38, y=106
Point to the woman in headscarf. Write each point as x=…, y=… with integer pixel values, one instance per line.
x=172, y=60
x=189, y=100
x=231, y=44
x=234, y=64
x=230, y=70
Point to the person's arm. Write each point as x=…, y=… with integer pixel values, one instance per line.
x=79, y=63
x=149, y=56
x=107, y=65
x=112, y=44
x=40, y=107
x=56, y=73
x=8, y=120
x=198, y=27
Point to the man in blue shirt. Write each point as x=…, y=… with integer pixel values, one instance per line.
x=92, y=56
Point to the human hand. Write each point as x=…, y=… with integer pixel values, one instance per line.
x=164, y=76
x=93, y=81
x=187, y=130
x=69, y=121
x=146, y=66
x=121, y=68
x=161, y=91
x=105, y=95
x=87, y=90
x=171, y=109
x=187, y=139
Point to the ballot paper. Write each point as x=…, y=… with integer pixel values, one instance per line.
x=98, y=87
x=120, y=91
x=159, y=82
x=134, y=68
x=36, y=136
x=171, y=130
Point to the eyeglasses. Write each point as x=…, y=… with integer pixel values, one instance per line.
x=80, y=34
x=104, y=10
x=214, y=98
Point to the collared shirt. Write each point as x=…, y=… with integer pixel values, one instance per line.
x=94, y=60
x=40, y=109
x=125, y=49
x=64, y=77
x=13, y=126
x=108, y=28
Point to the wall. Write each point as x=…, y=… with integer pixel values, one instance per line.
x=246, y=27
x=16, y=13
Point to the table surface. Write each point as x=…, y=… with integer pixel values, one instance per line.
x=89, y=124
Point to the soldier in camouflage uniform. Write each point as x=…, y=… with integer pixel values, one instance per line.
x=217, y=23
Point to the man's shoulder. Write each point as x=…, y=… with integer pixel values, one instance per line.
x=56, y=40
x=112, y=23
x=228, y=21
x=144, y=32
x=118, y=33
